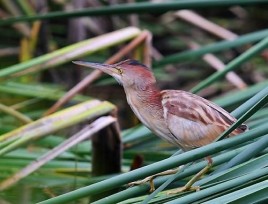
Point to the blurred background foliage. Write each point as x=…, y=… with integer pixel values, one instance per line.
x=45, y=100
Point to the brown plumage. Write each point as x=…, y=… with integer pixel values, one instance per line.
x=184, y=119
x=202, y=121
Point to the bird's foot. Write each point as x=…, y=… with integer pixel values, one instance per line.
x=183, y=189
x=189, y=186
x=150, y=179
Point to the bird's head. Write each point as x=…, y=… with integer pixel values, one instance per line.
x=129, y=73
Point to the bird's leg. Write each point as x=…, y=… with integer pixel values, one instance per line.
x=150, y=179
x=188, y=186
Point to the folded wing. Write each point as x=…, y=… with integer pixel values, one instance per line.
x=193, y=120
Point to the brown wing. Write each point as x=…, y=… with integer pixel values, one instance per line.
x=193, y=120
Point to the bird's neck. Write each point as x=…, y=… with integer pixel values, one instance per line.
x=144, y=94
x=146, y=103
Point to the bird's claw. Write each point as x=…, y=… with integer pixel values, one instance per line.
x=183, y=189
x=149, y=179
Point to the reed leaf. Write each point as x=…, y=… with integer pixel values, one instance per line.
x=141, y=7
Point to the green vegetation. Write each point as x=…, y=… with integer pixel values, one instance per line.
x=56, y=118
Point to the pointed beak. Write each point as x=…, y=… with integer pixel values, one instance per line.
x=107, y=68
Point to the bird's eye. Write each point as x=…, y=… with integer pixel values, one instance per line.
x=120, y=71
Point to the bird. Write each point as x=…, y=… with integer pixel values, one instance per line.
x=184, y=119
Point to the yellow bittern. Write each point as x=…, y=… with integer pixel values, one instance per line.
x=182, y=118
